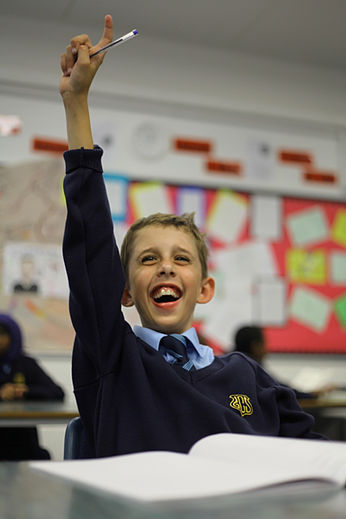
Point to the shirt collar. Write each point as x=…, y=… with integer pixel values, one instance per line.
x=153, y=338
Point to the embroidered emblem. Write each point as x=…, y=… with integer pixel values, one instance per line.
x=242, y=404
x=19, y=378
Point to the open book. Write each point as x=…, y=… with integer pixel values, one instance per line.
x=216, y=465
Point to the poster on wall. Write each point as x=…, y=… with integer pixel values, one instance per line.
x=32, y=268
x=33, y=281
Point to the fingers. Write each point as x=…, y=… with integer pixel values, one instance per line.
x=81, y=47
x=67, y=61
x=69, y=58
x=8, y=392
x=63, y=65
x=108, y=29
x=77, y=41
x=107, y=35
x=20, y=390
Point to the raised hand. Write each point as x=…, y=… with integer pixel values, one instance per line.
x=78, y=71
x=77, y=67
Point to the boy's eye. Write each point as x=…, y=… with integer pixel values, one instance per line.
x=182, y=259
x=149, y=258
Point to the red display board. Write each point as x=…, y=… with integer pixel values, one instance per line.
x=308, y=256
x=295, y=336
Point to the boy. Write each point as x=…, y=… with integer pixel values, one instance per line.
x=134, y=395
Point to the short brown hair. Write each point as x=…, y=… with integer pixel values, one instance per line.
x=184, y=222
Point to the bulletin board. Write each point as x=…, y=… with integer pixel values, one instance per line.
x=279, y=262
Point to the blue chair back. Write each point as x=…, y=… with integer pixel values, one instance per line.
x=73, y=434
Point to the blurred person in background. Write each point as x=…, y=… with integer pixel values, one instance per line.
x=21, y=378
x=250, y=340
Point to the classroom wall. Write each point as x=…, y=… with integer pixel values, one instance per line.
x=170, y=77
x=170, y=71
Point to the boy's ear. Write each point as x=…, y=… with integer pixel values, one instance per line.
x=126, y=299
x=207, y=290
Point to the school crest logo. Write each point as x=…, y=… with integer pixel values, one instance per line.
x=19, y=378
x=242, y=404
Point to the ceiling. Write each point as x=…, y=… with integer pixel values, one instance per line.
x=303, y=31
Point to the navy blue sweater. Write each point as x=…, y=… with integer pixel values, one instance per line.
x=130, y=399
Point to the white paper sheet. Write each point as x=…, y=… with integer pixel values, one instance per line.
x=247, y=260
x=149, y=198
x=266, y=217
x=260, y=160
x=310, y=308
x=228, y=313
x=338, y=267
x=308, y=227
x=192, y=199
x=310, y=379
x=217, y=465
x=227, y=216
x=270, y=302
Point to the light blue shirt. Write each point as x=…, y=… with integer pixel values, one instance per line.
x=200, y=355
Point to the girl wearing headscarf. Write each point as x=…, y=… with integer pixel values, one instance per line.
x=21, y=378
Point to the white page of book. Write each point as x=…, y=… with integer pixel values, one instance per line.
x=217, y=465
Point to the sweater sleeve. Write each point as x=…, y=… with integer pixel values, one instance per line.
x=92, y=260
x=294, y=422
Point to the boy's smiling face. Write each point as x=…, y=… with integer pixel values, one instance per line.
x=165, y=279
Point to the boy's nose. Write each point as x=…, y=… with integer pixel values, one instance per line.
x=166, y=269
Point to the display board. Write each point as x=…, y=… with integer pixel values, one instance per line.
x=278, y=261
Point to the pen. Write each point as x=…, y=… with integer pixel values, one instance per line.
x=124, y=38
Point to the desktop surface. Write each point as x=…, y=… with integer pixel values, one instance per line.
x=22, y=413
x=329, y=412
x=26, y=493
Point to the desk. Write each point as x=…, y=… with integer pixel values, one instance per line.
x=331, y=401
x=31, y=413
x=25, y=493
x=330, y=415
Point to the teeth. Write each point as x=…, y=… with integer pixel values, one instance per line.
x=165, y=291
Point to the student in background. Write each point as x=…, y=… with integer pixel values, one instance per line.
x=147, y=389
x=21, y=378
x=250, y=340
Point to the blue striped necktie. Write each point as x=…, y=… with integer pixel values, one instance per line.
x=176, y=347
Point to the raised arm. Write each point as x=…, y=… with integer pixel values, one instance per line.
x=78, y=72
x=90, y=253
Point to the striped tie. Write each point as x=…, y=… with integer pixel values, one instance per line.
x=176, y=348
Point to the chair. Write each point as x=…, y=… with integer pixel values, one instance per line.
x=73, y=434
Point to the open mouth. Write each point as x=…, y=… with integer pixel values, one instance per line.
x=166, y=295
